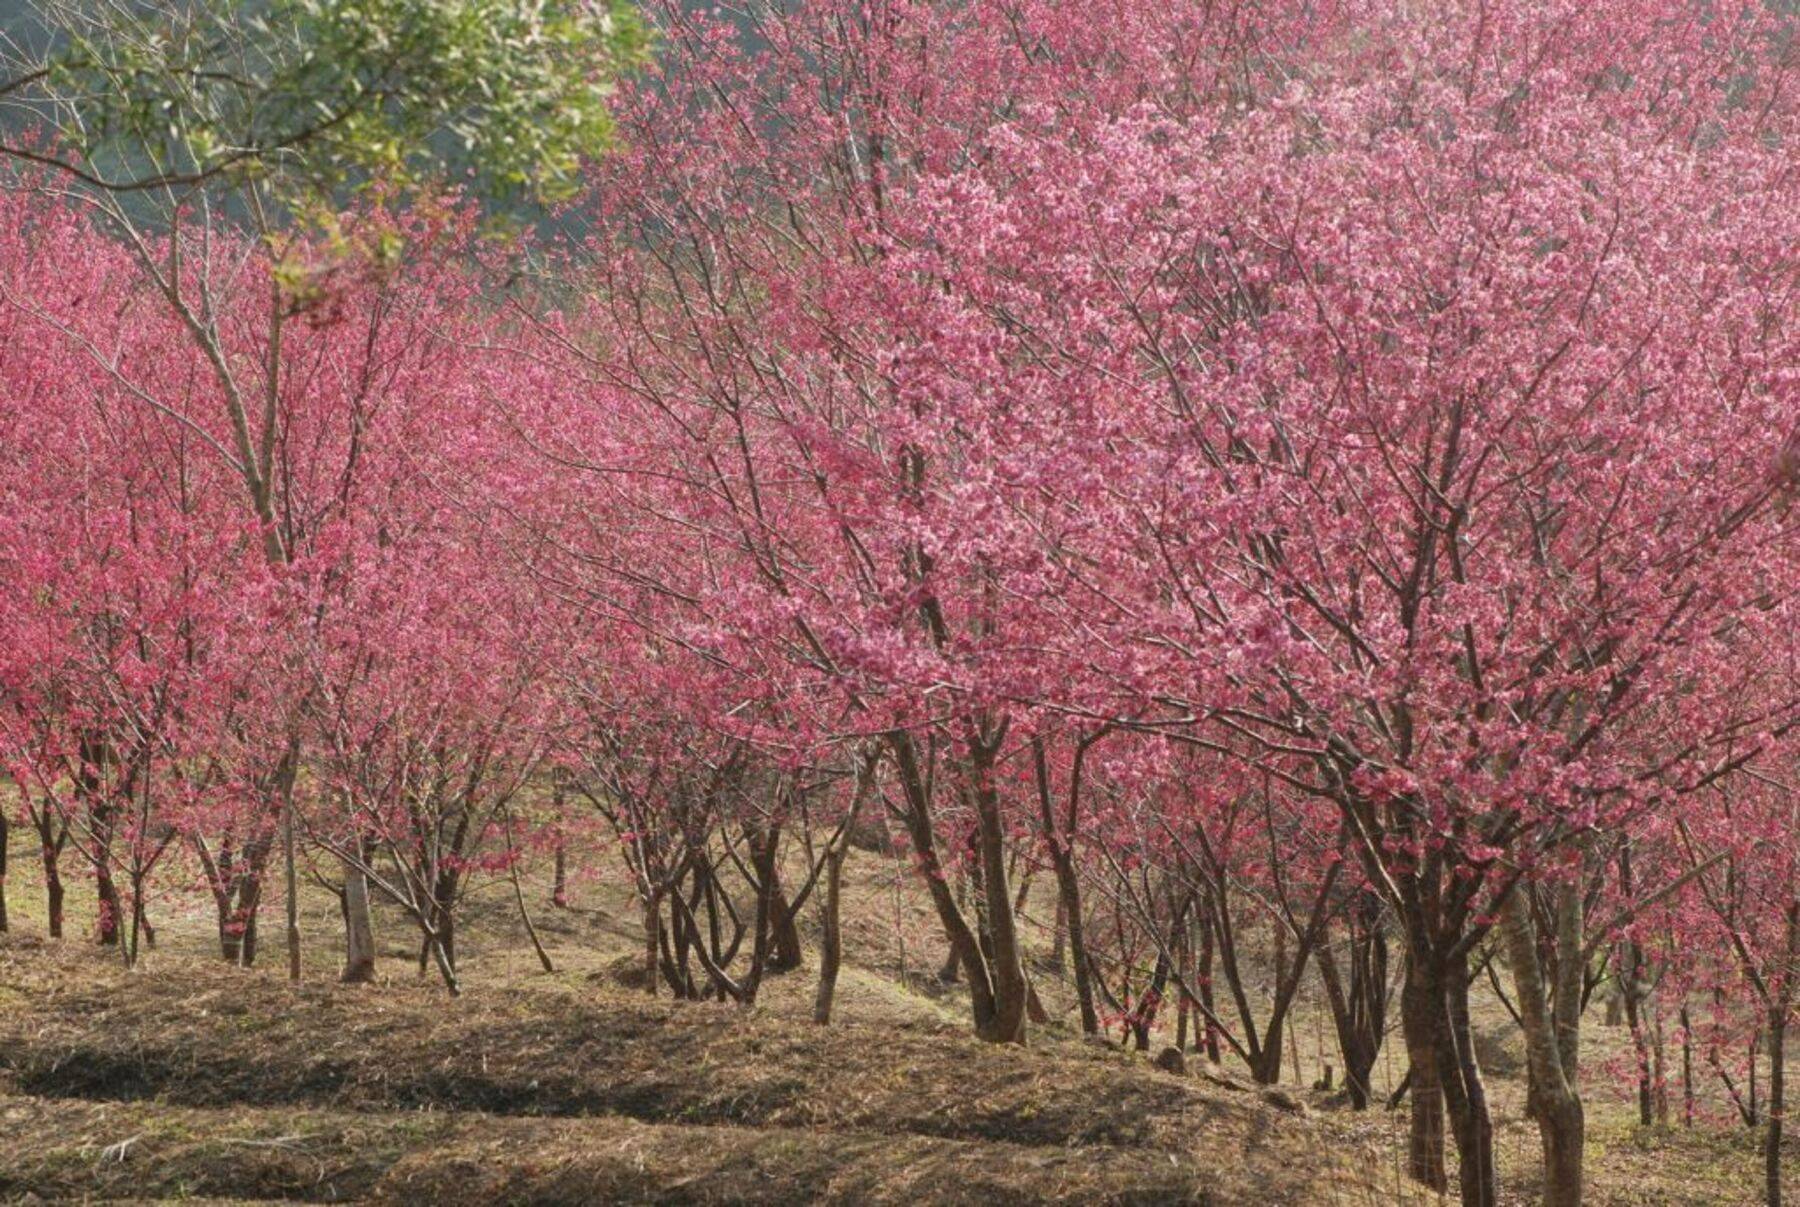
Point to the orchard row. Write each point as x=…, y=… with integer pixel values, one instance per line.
x=1300, y=479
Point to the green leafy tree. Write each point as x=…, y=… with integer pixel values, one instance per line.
x=312, y=95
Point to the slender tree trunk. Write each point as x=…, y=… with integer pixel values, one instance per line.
x=1209, y=1032
x=831, y=938
x=53, y=893
x=221, y=879
x=1780, y=1010
x=1466, y=1097
x=1778, y=1020
x=965, y=948
x=231, y=939
x=249, y=906
x=1631, y=960
x=1068, y=889
x=446, y=928
x=284, y=776
x=559, y=877
x=1060, y=839
x=1687, y=1068
x=831, y=941
x=5, y=841
x=445, y=965
x=129, y=944
x=652, y=915
x=1640, y=1043
x=1356, y=1044
x=531, y=932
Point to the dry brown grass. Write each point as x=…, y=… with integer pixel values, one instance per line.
x=194, y=1079
x=190, y=1080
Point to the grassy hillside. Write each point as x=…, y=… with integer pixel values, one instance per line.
x=191, y=1079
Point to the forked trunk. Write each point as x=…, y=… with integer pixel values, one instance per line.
x=965, y=948
x=788, y=953
x=1010, y=987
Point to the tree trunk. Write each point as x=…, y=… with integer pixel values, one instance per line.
x=284, y=776
x=652, y=916
x=1466, y=1097
x=1358, y=1042
x=446, y=931
x=1209, y=1035
x=831, y=938
x=5, y=836
x=788, y=954
x=1778, y=1018
x=965, y=948
x=1550, y=1044
x=1629, y=997
x=359, y=927
x=106, y=923
x=1687, y=1068
x=1068, y=889
x=249, y=904
x=53, y=892
x=1060, y=839
x=1421, y=1008
x=231, y=940
x=1010, y=988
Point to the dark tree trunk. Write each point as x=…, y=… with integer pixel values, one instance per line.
x=1629, y=997
x=1068, y=889
x=53, y=892
x=110, y=912
x=965, y=947
x=250, y=902
x=788, y=954
x=1421, y=1009
x=1466, y=1097
x=1059, y=837
x=1210, y=1033
x=1359, y=1009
